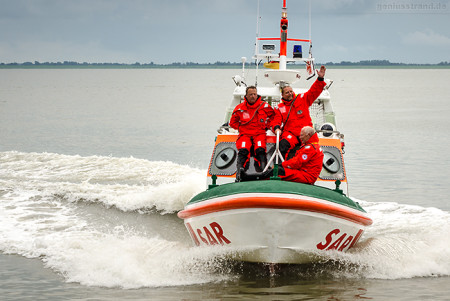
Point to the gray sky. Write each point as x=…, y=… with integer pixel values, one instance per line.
x=206, y=31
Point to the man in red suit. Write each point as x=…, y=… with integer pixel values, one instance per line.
x=251, y=118
x=292, y=113
x=306, y=165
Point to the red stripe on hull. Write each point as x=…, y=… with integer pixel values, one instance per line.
x=274, y=203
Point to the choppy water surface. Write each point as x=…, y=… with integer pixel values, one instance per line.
x=94, y=165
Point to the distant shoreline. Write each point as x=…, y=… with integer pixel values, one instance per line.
x=369, y=64
x=220, y=67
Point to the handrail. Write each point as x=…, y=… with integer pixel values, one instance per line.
x=276, y=154
x=328, y=132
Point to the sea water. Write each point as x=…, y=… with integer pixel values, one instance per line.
x=94, y=165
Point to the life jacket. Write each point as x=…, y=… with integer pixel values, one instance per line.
x=251, y=119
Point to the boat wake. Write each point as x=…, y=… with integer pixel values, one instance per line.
x=126, y=183
x=106, y=221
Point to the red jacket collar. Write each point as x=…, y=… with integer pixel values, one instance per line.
x=289, y=102
x=314, y=139
x=255, y=105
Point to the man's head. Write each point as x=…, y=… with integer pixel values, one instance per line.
x=306, y=133
x=287, y=93
x=251, y=95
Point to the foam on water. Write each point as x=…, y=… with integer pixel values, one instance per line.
x=41, y=196
x=126, y=183
x=129, y=261
x=404, y=241
x=106, y=221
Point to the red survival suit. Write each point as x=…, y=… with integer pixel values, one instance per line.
x=298, y=116
x=306, y=165
x=251, y=121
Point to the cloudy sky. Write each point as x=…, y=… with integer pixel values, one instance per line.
x=206, y=31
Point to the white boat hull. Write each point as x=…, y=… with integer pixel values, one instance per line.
x=271, y=235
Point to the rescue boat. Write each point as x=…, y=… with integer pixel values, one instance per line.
x=274, y=221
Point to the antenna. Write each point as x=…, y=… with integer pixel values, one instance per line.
x=311, y=72
x=257, y=43
x=310, y=40
x=309, y=21
x=257, y=29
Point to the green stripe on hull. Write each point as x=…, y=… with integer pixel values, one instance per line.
x=275, y=186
